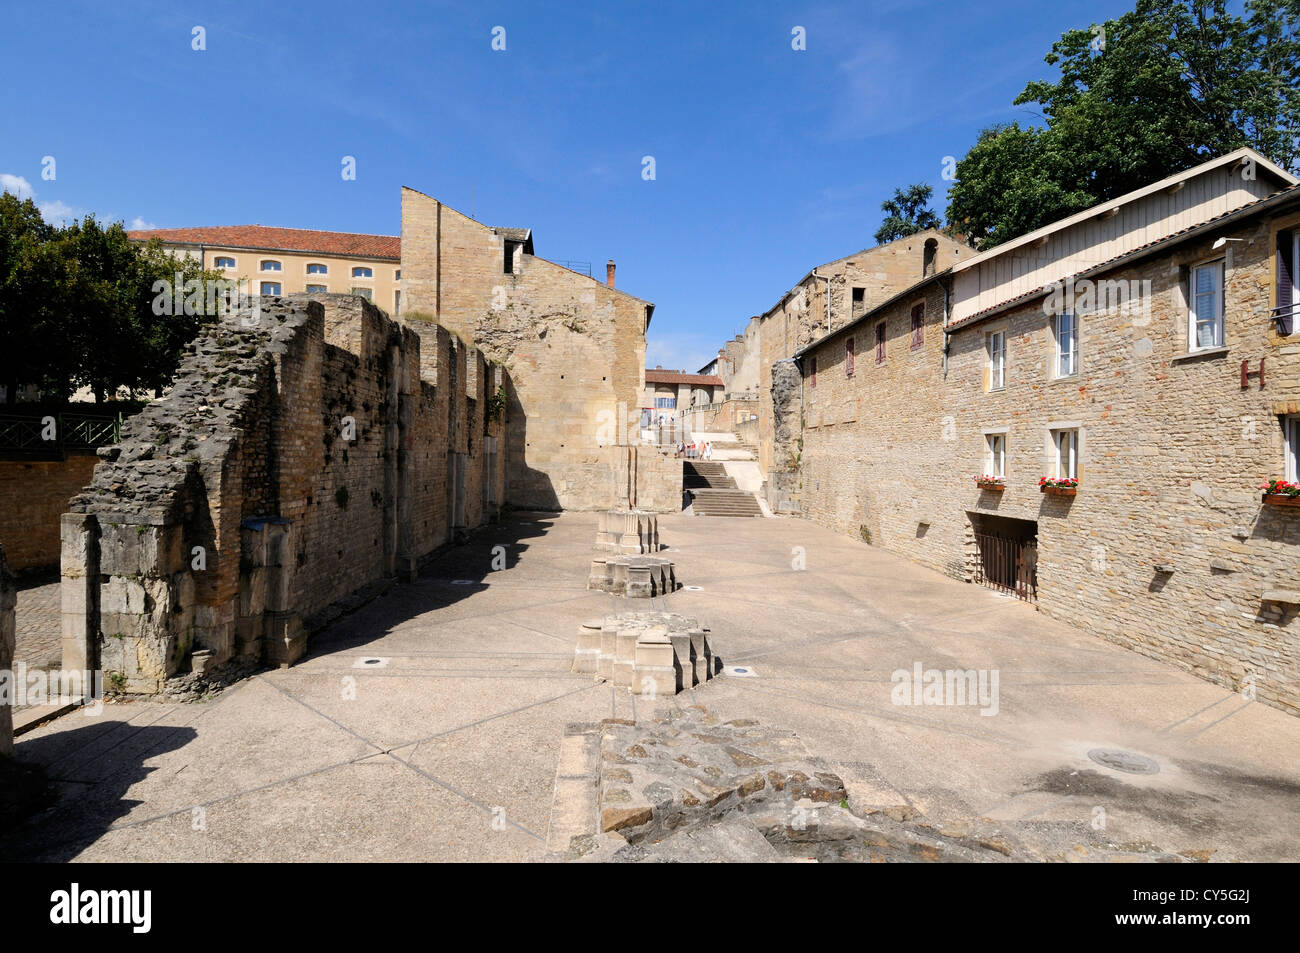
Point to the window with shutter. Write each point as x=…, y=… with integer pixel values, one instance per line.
x=1288, y=270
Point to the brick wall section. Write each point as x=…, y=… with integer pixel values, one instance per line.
x=40, y=490
x=572, y=349
x=8, y=637
x=301, y=459
x=1171, y=453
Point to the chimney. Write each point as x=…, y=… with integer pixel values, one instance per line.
x=609, y=272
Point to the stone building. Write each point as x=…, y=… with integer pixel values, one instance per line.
x=1143, y=348
x=573, y=349
x=825, y=299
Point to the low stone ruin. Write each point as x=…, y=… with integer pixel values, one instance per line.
x=648, y=653
x=630, y=532
x=637, y=577
x=688, y=786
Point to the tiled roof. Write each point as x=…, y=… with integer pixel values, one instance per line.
x=657, y=375
x=1208, y=224
x=269, y=238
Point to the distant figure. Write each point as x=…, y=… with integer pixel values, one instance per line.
x=708, y=450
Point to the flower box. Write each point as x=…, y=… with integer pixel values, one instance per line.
x=1058, y=486
x=995, y=484
x=1281, y=493
x=1281, y=499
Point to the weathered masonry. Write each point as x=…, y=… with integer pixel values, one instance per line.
x=573, y=348
x=1145, y=356
x=304, y=451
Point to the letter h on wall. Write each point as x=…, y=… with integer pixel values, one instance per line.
x=1246, y=374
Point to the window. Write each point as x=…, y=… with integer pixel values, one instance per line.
x=1205, y=327
x=859, y=301
x=270, y=287
x=397, y=275
x=666, y=403
x=848, y=358
x=995, y=460
x=223, y=263
x=1288, y=282
x=360, y=272
x=317, y=289
x=509, y=263
x=317, y=269
x=270, y=264
x=1291, y=431
x=1066, y=333
x=880, y=343
x=918, y=324
x=1065, y=454
x=931, y=250
x=812, y=370
x=996, y=342
x=397, y=302
x=366, y=293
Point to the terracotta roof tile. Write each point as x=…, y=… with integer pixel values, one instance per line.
x=657, y=375
x=268, y=238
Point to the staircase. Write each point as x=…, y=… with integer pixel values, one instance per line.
x=713, y=493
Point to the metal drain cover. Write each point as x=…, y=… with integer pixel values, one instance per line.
x=1127, y=761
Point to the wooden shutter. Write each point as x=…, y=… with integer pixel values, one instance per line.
x=1286, y=321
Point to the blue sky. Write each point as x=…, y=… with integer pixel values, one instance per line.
x=768, y=160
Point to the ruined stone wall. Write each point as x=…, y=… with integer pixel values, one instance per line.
x=301, y=454
x=573, y=349
x=8, y=633
x=1172, y=449
x=38, y=492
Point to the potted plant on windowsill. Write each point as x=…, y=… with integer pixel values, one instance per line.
x=1281, y=493
x=994, y=483
x=1059, y=486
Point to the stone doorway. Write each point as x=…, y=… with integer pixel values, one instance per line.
x=1002, y=554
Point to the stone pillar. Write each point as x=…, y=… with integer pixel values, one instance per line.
x=8, y=599
x=79, y=591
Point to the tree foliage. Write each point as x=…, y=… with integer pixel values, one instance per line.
x=907, y=213
x=76, y=307
x=1166, y=86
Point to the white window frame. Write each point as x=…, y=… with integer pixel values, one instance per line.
x=1193, y=320
x=1295, y=282
x=325, y=269
x=997, y=360
x=367, y=293
x=995, y=455
x=1291, y=445
x=262, y=288
x=1065, y=350
x=1065, y=453
x=369, y=277
x=276, y=265
x=217, y=262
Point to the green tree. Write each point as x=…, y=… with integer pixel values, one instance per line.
x=1162, y=88
x=907, y=213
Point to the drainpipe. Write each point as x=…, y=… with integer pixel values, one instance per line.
x=947, y=313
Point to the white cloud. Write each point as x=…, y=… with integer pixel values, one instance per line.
x=58, y=213
x=138, y=224
x=17, y=185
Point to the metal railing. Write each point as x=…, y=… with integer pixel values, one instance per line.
x=1008, y=565
x=56, y=434
x=581, y=267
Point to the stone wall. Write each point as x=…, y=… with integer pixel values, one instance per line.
x=38, y=492
x=573, y=349
x=301, y=454
x=8, y=599
x=1172, y=449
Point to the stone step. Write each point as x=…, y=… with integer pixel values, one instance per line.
x=729, y=502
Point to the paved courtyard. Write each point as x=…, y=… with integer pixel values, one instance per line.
x=445, y=748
